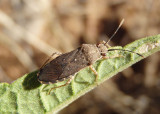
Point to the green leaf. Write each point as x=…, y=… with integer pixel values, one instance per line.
x=26, y=95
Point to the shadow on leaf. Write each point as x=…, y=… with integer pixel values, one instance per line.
x=31, y=82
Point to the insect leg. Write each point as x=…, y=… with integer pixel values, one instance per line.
x=105, y=57
x=56, y=53
x=69, y=80
x=94, y=71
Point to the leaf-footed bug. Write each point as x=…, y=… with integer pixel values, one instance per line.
x=65, y=66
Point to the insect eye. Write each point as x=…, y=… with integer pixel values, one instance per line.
x=103, y=54
x=97, y=44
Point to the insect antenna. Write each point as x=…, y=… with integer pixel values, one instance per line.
x=121, y=23
x=127, y=51
x=106, y=43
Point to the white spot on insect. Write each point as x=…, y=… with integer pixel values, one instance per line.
x=146, y=47
x=75, y=59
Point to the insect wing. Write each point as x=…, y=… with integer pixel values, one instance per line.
x=52, y=71
x=76, y=63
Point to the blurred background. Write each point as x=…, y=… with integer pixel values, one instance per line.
x=31, y=30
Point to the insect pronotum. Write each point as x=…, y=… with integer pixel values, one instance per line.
x=66, y=65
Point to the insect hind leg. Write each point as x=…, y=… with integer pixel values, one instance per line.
x=68, y=82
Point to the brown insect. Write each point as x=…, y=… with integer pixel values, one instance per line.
x=65, y=66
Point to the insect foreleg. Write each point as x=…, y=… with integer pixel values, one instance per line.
x=105, y=57
x=94, y=71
